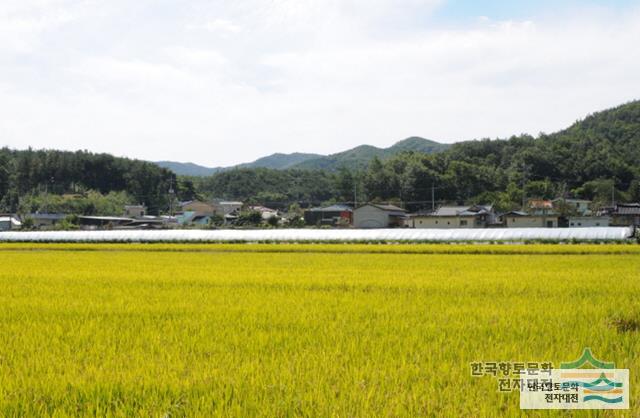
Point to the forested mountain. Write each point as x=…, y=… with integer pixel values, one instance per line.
x=361, y=156
x=356, y=157
x=279, y=161
x=270, y=187
x=593, y=158
x=188, y=169
x=26, y=175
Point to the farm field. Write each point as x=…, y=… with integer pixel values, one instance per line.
x=312, y=330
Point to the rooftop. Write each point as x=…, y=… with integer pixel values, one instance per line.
x=262, y=208
x=541, y=204
x=52, y=216
x=568, y=199
x=458, y=211
x=627, y=209
x=13, y=220
x=333, y=208
x=106, y=218
x=188, y=202
x=517, y=213
x=388, y=208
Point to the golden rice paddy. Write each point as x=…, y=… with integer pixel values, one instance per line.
x=302, y=330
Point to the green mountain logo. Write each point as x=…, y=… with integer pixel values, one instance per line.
x=588, y=358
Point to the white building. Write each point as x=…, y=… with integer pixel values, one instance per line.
x=8, y=223
x=134, y=211
x=589, y=221
x=581, y=207
x=447, y=217
x=267, y=213
x=224, y=208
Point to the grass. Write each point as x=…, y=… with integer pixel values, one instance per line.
x=313, y=330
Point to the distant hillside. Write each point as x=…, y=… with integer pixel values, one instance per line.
x=596, y=158
x=357, y=157
x=279, y=161
x=360, y=156
x=593, y=158
x=188, y=169
x=276, y=161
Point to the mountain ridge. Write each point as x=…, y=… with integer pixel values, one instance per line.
x=358, y=156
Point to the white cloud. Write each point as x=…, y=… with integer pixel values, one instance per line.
x=225, y=82
x=217, y=25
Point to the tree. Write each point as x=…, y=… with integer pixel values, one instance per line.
x=249, y=218
x=273, y=221
x=601, y=191
x=345, y=185
x=541, y=189
x=634, y=191
x=186, y=189
x=216, y=221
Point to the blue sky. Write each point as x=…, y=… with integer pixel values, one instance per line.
x=456, y=10
x=218, y=82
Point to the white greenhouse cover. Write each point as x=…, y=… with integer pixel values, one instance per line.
x=284, y=235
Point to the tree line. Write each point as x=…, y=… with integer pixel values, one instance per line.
x=597, y=158
x=32, y=180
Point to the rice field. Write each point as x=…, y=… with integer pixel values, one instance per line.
x=303, y=330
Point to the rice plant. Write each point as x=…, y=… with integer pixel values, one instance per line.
x=313, y=330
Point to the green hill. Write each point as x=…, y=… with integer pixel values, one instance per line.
x=279, y=161
x=188, y=169
x=357, y=157
x=592, y=159
x=360, y=156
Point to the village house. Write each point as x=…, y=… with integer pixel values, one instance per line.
x=195, y=212
x=540, y=207
x=588, y=221
x=379, y=216
x=329, y=215
x=148, y=222
x=187, y=217
x=197, y=207
x=224, y=208
x=265, y=212
x=445, y=217
x=46, y=220
x=103, y=222
x=193, y=218
x=134, y=211
x=518, y=219
x=624, y=214
x=574, y=207
x=9, y=222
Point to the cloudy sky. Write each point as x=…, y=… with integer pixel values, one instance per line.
x=223, y=82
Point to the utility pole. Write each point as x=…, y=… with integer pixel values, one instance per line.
x=46, y=198
x=524, y=185
x=171, y=194
x=613, y=193
x=355, y=194
x=46, y=194
x=433, y=197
